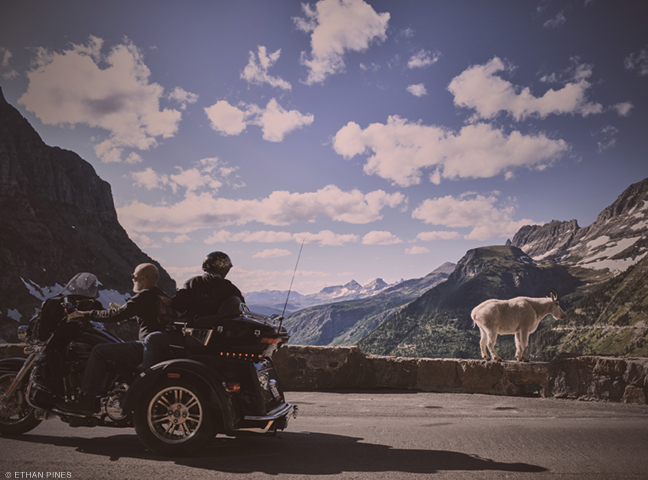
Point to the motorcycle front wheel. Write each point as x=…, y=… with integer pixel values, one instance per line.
x=173, y=419
x=16, y=415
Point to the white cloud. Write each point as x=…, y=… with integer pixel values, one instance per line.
x=480, y=88
x=323, y=237
x=556, y=22
x=71, y=88
x=438, y=235
x=607, y=136
x=226, y=119
x=181, y=96
x=274, y=120
x=178, y=239
x=401, y=150
x=133, y=158
x=372, y=67
x=482, y=214
x=380, y=238
x=256, y=71
x=423, y=58
x=143, y=241
x=273, y=253
x=638, y=61
x=338, y=27
x=623, y=109
x=196, y=211
x=5, y=62
x=417, y=90
x=208, y=174
x=416, y=250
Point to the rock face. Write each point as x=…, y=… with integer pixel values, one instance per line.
x=616, y=240
x=58, y=219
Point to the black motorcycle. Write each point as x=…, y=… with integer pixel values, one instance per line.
x=219, y=378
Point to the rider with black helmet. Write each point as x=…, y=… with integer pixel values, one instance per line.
x=205, y=295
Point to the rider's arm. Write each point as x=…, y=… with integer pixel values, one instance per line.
x=131, y=308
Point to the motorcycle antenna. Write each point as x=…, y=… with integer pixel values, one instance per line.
x=293, y=278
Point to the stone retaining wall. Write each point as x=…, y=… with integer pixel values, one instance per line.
x=348, y=368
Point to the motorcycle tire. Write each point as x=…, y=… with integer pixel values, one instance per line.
x=174, y=419
x=18, y=417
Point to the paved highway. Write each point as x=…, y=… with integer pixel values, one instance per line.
x=369, y=436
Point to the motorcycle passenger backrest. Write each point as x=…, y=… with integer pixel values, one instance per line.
x=230, y=307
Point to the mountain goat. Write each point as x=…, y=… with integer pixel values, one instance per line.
x=519, y=316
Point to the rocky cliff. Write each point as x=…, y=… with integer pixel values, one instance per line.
x=615, y=241
x=58, y=218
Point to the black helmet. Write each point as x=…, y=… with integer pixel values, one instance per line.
x=217, y=263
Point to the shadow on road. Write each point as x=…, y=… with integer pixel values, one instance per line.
x=291, y=453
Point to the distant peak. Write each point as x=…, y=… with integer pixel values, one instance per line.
x=353, y=285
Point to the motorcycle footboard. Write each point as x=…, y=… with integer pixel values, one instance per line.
x=274, y=420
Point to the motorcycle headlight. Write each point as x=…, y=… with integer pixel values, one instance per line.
x=23, y=336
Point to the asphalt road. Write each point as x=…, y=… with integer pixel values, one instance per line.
x=369, y=436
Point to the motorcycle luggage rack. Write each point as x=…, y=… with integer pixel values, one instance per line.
x=273, y=320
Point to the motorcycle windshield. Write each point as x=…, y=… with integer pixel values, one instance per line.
x=85, y=284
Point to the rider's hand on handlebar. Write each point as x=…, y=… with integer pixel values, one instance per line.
x=77, y=315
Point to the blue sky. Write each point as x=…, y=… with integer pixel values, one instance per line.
x=389, y=137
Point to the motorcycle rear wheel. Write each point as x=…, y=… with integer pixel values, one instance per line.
x=16, y=416
x=174, y=419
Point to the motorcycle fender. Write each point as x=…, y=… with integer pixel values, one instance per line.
x=191, y=371
x=11, y=364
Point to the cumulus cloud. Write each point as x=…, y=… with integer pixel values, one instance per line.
x=272, y=253
x=70, y=88
x=416, y=250
x=274, y=120
x=623, y=109
x=485, y=215
x=144, y=241
x=256, y=71
x=337, y=27
x=481, y=88
x=203, y=210
x=400, y=150
x=178, y=239
x=423, y=58
x=638, y=61
x=8, y=73
x=323, y=237
x=438, y=235
x=182, y=97
x=380, y=238
x=417, y=90
x=207, y=174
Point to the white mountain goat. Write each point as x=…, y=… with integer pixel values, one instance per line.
x=519, y=316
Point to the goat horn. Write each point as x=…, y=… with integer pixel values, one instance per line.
x=555, y=292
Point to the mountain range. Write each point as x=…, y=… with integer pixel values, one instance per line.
x=599, y=272
x=271, y=302
x=346, y=322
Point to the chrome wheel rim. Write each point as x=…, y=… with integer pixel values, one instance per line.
x=17, y=409
x=175, y=414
